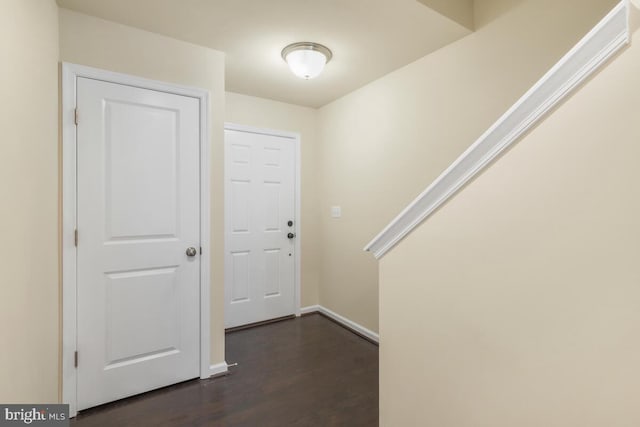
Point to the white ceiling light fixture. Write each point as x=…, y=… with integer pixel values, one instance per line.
x=306, y=59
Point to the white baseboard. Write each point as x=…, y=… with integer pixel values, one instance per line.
x=310, y=309
x=218, y=369
x=342, y=320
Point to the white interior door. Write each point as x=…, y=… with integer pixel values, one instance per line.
x=260, y=208
x=138, y=212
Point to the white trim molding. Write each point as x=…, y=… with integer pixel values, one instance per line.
x=349, y=324
x=218, y=369
x=603, y=41
x=309, y=309
x=70, y=75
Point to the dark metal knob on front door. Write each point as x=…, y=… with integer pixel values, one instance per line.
x=191, y=251
x=291, y=235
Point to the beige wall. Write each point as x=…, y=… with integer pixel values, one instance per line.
x=383, y=144
x=264, y=113
x=517, y=303
x=460, y=11
x=102, y=44
x=29, y=201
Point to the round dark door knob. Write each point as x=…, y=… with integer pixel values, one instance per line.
x=291, y=235
x=191, y=251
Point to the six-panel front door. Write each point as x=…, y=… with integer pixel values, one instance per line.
x=137, y=214
x=260, y=227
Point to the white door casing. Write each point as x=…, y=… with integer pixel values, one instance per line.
x=141, y=303
x=261, y=261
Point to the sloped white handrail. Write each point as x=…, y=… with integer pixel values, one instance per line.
x=603, y=41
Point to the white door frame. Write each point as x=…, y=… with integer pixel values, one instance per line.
x=295, y=137
x=70, y=74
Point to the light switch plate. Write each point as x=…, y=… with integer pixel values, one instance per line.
x=336, y=212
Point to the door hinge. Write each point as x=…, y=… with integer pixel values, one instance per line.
x=200, y=250
x=75, y=237
x=75, y=359
x=75, y=116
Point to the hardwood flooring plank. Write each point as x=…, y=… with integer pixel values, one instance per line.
x=306, y=371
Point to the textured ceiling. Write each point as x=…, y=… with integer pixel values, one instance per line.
x=369, y=38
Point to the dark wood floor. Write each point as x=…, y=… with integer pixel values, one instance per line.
x=307, y=371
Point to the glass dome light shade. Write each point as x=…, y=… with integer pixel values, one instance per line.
x=306, y=60
x=306, y=64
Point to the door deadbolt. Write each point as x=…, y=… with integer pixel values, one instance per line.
x=191, y=252
x=290, y=223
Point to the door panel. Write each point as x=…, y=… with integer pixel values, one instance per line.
x=138, y=211
x=150, y=207
x=259, y=258
x=153, y=292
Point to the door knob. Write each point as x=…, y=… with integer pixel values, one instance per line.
x=291, y=235
x=191, y=251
